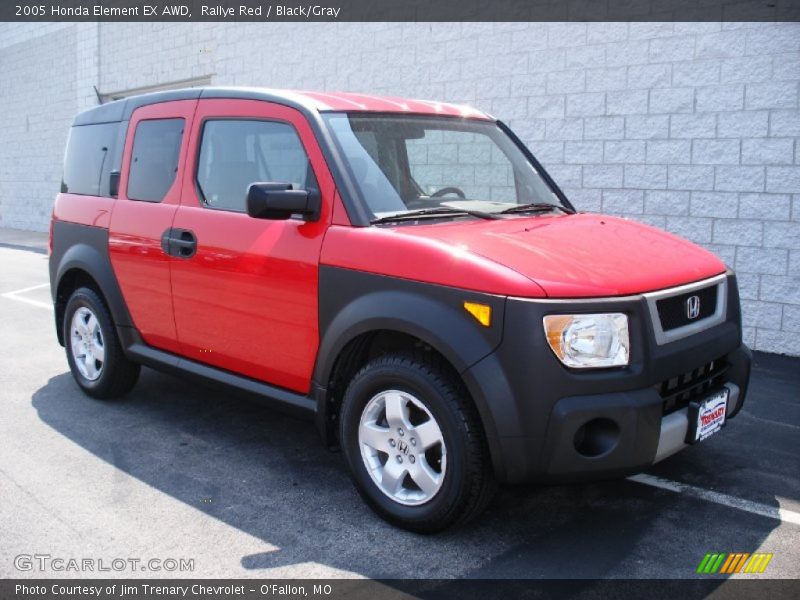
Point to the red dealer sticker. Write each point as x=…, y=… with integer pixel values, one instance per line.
x=707, y=416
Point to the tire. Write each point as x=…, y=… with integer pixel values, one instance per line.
x=89, y=333
x=421, y=489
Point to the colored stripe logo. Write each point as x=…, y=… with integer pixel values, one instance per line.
x=733, y=562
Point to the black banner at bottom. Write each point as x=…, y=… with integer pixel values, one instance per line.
x=393, y=589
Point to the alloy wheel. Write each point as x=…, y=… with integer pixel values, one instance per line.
x=88, y=349
x=402, y=447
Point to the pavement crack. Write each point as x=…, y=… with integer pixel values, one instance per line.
x=39, y=503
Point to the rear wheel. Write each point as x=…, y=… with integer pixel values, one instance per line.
x=414, y=444
x=94, y=353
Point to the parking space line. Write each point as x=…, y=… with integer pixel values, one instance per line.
x=15, y=295
x=780, y=514
x=771, y=422
x=28, y=289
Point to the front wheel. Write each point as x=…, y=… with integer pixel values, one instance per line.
x=94, y=353
x=414, y=445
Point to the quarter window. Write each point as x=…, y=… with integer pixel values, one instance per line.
x=236, y=153
x=154, y=163
x=91, y=154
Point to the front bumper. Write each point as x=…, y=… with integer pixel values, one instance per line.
x=675, y=426
x=620, y=433
x=545, y=422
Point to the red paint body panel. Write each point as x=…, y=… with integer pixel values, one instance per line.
x=339, y=212
x=140, y=264
x=387, y=251
x=94, y=211
x=247, y=301
x=567, y=256
x=341, y=101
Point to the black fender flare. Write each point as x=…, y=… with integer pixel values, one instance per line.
x=361, y=303
x=445, y=328
x=86, y=248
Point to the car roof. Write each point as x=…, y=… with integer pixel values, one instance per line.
x=344, y=101
x=316, y=102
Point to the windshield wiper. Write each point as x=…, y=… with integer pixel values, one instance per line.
x=535, y=207
x=440, y=211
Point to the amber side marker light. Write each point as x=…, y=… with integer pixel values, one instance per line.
x=481, y=312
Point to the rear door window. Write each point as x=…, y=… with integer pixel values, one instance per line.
x=154, y=161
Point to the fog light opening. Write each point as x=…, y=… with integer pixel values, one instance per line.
x=596, y=437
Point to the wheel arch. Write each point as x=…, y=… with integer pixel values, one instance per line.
x=426, y=316
x=86, y=263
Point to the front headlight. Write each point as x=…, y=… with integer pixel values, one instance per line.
x=589, y=341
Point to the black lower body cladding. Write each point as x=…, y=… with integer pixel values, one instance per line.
x=543, y=421
x=567, y=424
x=84, y=248
x=354, y=303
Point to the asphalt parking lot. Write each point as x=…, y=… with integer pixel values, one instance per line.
x=176, y=470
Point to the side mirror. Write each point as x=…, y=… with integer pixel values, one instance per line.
x=280, y=201
x=113, y=184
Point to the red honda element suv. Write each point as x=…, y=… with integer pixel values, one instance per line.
x=405, y=273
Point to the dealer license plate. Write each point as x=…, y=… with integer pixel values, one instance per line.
x=707, y=416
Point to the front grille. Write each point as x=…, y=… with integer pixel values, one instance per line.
x=672, y=311
x=678, y=391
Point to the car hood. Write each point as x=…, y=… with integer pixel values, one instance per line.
x=580, y=255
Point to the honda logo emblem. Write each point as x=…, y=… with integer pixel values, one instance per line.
x=693, y=307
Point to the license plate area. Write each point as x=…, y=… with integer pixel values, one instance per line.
x=707, y=416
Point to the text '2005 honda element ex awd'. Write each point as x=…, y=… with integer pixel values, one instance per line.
x=405, y=273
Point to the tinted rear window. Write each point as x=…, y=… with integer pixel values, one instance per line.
x=154, y=163
x=91, y=151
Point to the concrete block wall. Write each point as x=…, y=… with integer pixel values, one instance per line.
x=138, y=55
x=37, y=103
x=691, y=127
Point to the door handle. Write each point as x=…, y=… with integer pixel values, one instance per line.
x=181, y=243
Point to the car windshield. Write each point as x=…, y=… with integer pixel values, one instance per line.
x=411, y=164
